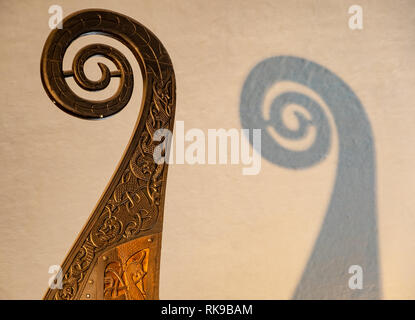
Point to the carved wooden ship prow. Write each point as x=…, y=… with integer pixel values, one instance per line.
x=117, y=254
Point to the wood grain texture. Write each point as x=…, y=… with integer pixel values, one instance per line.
x=132, y=204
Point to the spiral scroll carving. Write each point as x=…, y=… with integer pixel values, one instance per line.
x=132, y=204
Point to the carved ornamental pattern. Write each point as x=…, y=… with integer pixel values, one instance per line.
x=132, y=205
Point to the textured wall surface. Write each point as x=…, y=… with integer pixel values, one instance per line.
x=226, y=235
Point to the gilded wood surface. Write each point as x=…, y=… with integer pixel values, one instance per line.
x=132, y=205
x=128, y=271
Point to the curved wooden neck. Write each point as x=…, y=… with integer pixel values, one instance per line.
x=128, y=218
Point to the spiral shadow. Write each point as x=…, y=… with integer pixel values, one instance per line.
x=348, y=235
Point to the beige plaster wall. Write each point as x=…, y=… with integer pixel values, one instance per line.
x=226, y=235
